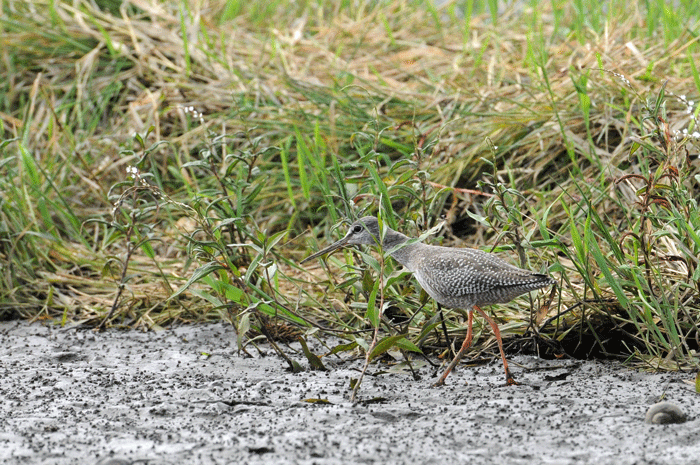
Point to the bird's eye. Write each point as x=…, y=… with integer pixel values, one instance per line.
x=357, y=228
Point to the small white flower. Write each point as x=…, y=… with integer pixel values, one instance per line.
x=132, y=172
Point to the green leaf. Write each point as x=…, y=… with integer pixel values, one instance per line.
x=198, y=274
x=272, y=241
x=196, y=164
x=207, y=296
x=430, y=325
x=302, y=151
x=694, y=71
x=29, y=166
x=405, y=344
x=384, y=197
x=576, y=241
x=343, y=348
x=635, y=147
x=295, y=367
x=242, y=329
x=225, y=222
x=147, y=249
x=372, y=313
x=386, y=344
x=231, y=292
x=314, y=360
x=252, y=268
x=604, y=266
x=367, y=281
x=284, y=155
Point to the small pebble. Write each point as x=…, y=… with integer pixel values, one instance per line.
x=664, y=413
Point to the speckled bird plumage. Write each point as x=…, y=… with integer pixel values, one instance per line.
x=454, y=277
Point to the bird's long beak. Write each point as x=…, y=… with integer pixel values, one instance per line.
x=329, y=249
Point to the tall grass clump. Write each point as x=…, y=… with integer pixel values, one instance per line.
x=35, y=214
x=651, y=262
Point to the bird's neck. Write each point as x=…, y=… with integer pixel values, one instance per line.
x=393, y=239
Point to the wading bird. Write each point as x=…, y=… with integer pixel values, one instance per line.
x=455, y=278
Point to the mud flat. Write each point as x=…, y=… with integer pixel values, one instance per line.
x=184, y=396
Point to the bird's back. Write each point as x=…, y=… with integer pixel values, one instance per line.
x=462, y=278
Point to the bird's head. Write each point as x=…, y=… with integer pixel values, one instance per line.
x=363, y=231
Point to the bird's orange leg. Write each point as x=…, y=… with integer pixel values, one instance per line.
x=509, y=378
x=465, y=345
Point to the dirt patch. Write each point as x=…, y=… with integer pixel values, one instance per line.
x=184, y=396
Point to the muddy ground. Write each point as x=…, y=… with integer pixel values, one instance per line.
x=184, y=396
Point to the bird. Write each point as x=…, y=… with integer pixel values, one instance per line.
x=463, y=278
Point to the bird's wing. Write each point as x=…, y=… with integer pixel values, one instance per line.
x=463, y=277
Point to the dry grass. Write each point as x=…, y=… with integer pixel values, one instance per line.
x=293, y=119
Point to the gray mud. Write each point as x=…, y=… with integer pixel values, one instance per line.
x=183, y=396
